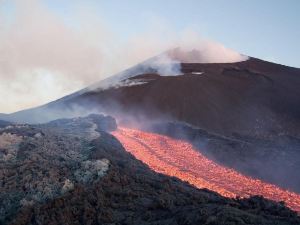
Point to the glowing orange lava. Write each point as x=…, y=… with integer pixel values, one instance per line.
x=179, y=158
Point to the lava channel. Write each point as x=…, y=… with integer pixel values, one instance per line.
x=180, y=159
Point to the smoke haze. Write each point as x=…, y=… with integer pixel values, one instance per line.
x=43, y=57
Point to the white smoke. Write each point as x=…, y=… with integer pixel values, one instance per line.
x=43, y=57
x=195, y=49
x=164, y=65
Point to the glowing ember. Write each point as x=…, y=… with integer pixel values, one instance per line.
x=180, y=159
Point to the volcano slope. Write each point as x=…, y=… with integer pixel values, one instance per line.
x=252, y=98
x=245, y=115
x=71, y=171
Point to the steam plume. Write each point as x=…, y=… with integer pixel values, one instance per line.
x=43, y=57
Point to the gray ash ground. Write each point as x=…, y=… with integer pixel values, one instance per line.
x=71, y=171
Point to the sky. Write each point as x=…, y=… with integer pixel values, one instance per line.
x=50, y=48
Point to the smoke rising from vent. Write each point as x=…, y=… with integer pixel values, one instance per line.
x=164, y=65
x=43, y=57
x=195, y=49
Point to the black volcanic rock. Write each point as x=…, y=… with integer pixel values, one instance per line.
x=39, y=163
x=65, y=174
x=104, y=123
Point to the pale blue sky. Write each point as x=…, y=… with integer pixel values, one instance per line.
x=268, y=29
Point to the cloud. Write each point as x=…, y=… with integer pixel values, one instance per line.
x=44, y=57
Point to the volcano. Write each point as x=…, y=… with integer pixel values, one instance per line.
x=243, y=114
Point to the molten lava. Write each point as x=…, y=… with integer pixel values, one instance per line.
x=179, y=158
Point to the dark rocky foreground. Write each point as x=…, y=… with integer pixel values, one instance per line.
x=72, y=171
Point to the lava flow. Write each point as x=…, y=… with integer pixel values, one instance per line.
x=179, y=158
